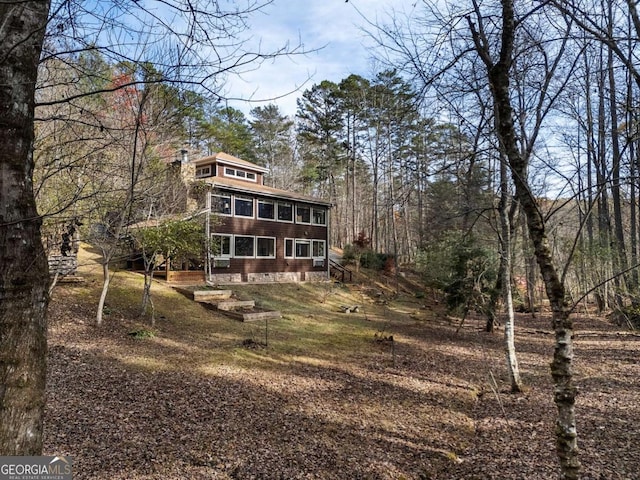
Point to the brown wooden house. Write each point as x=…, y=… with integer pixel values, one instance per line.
x=258, y=233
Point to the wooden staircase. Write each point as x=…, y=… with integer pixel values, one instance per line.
x=339, y=272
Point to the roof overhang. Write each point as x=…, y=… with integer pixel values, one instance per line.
x=226, y=159
x=263, y=191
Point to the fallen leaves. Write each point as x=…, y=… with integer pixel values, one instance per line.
x=175, y=407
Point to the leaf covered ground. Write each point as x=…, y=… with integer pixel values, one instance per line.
x=330, y=396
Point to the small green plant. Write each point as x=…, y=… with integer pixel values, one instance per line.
x=627, y=316
x=142, y=334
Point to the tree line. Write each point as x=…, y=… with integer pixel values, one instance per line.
x=499, y=144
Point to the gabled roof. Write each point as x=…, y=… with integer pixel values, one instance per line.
x=226, y=159
x=263, y=190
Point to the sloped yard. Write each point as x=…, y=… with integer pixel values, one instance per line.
x=330, y=397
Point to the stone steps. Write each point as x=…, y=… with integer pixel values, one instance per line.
x=209, y=296
x=242, y=310
x=228, y=305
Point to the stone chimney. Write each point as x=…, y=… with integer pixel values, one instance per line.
x=187, y=169
x=188, y=177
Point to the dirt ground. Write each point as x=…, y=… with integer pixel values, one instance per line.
x=330, y=397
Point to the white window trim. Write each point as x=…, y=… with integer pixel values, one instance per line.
x=274, y=247
x=293, y=211
x=231, y=204
x=293, y=248
x=324, y=248
x=227, y=173
x=253, y=207
x=231, y=241
x=234, y=246
x=310, y=215
x=202, y=173
x=275, y=210
x=324, y=224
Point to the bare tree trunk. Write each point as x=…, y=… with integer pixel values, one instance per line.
x=631, y=133
x=106, y=279
x=620, y=254
x=561, y=366
x=604, y=218
x=147, y=301
x=24, y=275
x=505, y=273
x=531, y=271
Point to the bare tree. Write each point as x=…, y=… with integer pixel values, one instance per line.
x=521, y=70
x=499, y=66
x=24, y=274
x=199, y=43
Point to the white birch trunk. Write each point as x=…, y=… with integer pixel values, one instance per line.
x=106, y=279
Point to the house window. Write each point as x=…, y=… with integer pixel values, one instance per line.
x=285, y=212
x=303, y=249
x=243, y=207
x=266, y=209
x=303, y=214
x=244, y=246
x=203, y=171
x=232, y=172
x=318, y=250
x=288, y=248
x=221, y=204
x=319, y=216
x=265, y=247
x=221, y=245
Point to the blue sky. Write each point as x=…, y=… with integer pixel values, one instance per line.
x=334, y=25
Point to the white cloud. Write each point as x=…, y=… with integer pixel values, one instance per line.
x=332, y=26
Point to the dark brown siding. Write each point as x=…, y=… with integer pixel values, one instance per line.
x=279, y=230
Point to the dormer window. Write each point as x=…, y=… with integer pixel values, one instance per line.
x=244, y=175
x=202, y=172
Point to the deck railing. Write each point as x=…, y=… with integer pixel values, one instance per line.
x=339, y=272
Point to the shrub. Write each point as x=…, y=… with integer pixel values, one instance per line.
x=376, y=261
x=142, y=334
x=349, y=254
x=461, y=267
